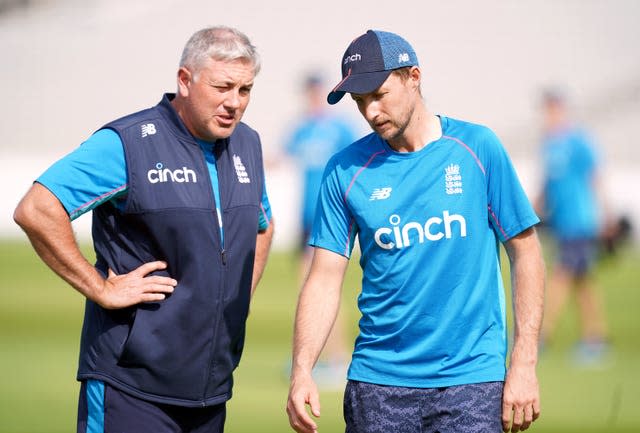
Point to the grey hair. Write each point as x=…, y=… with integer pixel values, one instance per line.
x=219, y=43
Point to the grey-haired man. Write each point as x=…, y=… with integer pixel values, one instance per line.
x=181, y=230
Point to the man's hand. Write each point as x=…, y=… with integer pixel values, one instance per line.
x=120, y=291
x=318, y=305
x=520, y=399
x=303, y=392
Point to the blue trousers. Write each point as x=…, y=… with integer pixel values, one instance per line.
x=104, y=409
x=474, y=408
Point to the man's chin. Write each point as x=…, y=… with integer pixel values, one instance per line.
x=387, y=134
x=222, y=132
x=385, y=131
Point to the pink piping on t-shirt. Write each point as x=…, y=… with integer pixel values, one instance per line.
x=346, y=247
x=355, y=176
x=346, y=194
x=497, y=221
x=97, y=199
x=266, y=218
x=475, y=157
x=461, y=143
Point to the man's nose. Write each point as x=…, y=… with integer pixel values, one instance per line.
x=371, y=111
x=233, y=99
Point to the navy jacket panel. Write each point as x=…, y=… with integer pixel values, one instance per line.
x=184, y=349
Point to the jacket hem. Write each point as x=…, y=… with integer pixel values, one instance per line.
x=174, y=401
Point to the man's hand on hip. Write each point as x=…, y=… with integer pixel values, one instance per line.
x=120, y=291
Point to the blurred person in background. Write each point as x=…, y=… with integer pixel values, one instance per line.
x=316, y=136
x=573, y=209
x=181, y=231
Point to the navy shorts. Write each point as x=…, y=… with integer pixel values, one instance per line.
x=474, y=408
x=104, y=409
x=577, y=255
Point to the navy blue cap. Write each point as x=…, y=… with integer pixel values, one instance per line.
x=369, y=60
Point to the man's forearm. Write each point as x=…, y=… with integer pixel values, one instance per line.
x=263, y=245
x=47, y=225
x=315, y=316
x=317, y=309
x=527, y=276
x=521, y=395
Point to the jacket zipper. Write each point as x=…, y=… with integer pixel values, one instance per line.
x=223, y=258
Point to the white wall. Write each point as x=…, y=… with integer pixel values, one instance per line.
x=71, y=66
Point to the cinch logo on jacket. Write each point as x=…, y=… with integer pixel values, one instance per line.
x=180, y=175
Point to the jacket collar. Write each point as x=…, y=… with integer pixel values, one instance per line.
x=169, y=113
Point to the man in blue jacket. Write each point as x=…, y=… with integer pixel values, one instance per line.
x=181, y=229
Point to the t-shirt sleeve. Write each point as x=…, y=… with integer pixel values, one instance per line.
x=90, y=175
x=334, y=227
x=264, y=214
x=510, y=211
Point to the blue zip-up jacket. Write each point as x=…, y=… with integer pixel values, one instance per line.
x=182, y=350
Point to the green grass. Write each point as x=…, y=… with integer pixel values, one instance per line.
x=40, y=320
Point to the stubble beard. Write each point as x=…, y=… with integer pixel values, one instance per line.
x=397, y=132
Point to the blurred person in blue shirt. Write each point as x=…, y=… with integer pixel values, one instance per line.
x=316, y=136
x=572, y=207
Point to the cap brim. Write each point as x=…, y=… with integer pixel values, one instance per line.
x=360, y=83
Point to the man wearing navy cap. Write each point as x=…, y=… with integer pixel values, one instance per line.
x=429, y=198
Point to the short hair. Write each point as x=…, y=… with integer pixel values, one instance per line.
x=554, y=96
x=219, y=43
x=312, y=79
x=404, y=74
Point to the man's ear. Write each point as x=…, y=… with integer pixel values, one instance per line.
x=415, y=75
x=185, y=79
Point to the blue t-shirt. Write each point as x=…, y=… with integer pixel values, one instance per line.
x=96, y=172
x=428, y=225
x=570, y=165
x=312, y=143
